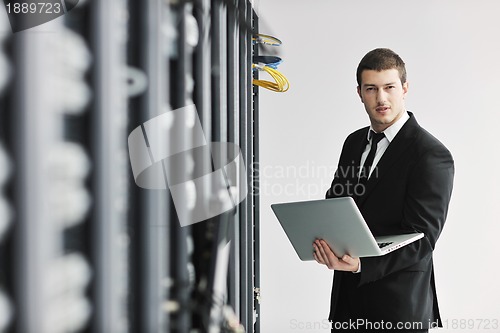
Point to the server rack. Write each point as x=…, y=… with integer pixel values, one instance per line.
x=50, y=269
x=6, y=169
x=82, y=247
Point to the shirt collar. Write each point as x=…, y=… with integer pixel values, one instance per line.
x=391, y=131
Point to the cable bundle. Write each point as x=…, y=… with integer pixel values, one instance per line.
x=270, y=64
x=265, y=39
x=281, y=83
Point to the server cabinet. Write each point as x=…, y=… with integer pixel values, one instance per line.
x=83, y=248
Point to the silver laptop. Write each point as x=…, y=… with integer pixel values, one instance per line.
x=339, y=222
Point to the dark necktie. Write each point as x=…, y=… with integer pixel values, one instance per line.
x=365, y=170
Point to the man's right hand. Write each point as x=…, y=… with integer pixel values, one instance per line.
x=324, y=255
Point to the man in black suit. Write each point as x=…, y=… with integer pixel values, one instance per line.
x=401, y=178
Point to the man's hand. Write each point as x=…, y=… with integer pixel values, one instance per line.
x=324, y=255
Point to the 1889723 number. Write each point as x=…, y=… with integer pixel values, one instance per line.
x=472, y=324
x=33, y=8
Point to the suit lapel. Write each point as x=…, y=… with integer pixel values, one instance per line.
x=405, y=137
x=351, y=157
x=358, y=151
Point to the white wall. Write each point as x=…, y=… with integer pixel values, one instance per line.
x=452, y=51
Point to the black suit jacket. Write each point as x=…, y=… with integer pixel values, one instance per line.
x=409, y=191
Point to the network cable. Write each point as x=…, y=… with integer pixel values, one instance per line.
x=270, y=65
x=265, y=39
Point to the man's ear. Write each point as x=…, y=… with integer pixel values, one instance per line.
x=359, y=93
x=405, y=89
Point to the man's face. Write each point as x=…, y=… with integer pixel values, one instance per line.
x=383, y=96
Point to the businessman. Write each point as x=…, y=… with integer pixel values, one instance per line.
x=403, y=181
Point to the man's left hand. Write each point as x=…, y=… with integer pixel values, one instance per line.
x=324, y=255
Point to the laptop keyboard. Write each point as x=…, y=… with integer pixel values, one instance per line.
x=382, y=245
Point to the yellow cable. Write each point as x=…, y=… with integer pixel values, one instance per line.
x=266, y=39
x=281, y=83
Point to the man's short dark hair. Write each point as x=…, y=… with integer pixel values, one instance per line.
x=379, y=60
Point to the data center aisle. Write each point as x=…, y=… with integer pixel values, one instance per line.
x=83, y=248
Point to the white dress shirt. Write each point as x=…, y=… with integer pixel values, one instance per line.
x=390, y=132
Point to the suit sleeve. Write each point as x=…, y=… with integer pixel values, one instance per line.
x=343, y=167
x=425, y=209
